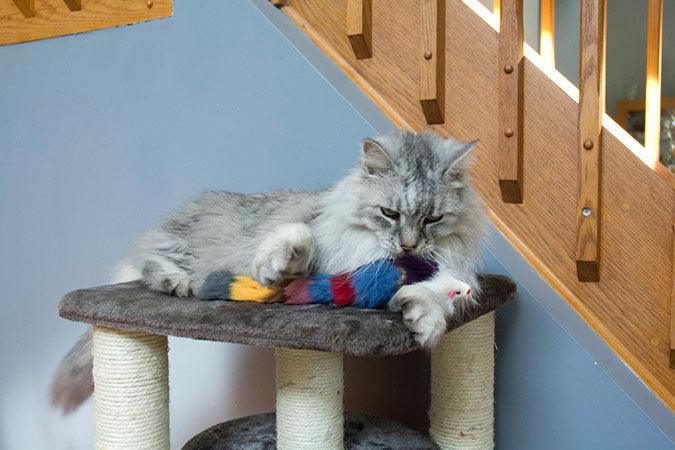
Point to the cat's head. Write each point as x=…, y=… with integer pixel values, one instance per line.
x=412, y=190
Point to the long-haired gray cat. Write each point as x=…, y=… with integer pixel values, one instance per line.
x=410, y=193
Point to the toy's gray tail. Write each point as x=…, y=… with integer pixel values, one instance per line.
x=73, y=382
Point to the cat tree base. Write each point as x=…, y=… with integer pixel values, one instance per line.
x=131, y=373
x=360, y=432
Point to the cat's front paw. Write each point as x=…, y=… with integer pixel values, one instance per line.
x=422, y=313
x=286, y=253
x=178, y=285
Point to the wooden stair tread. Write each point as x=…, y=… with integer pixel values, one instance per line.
x=133, y=307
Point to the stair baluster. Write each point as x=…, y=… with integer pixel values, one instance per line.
x=27, y=7
x=432, y=61
x=591, y=108
x=510, y=75
x=360, y=27
x=653, y=82
x=547, y=31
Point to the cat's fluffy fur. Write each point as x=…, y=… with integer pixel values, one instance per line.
x=408, y=190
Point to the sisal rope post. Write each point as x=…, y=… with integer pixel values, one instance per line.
x=131, y=390
x=461, y=414
x=309, y=400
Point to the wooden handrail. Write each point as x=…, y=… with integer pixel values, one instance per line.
x=44, y=19
x=589, y=136
x=653, y=82
x=510, y=118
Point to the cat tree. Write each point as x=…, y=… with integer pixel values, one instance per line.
x=131, y=325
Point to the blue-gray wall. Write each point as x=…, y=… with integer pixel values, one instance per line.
x=551, y=394
x=103, y=133
x=100, y=135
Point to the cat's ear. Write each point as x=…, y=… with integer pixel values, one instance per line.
x=459, y=161
x=375, y=160
x=461, y=150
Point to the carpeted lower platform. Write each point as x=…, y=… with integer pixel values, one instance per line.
x=259, y=432
x=132, y=307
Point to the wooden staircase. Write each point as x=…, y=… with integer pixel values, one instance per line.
x=447, y=53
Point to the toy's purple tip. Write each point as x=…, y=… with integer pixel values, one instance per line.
x=416, y=268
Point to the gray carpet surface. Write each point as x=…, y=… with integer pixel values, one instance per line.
x=361, y=332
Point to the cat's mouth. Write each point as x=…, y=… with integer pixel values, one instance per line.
x=421, y=249
x=409, y=252
x=395, y=250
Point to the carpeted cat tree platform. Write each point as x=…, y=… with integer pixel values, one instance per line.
x=131, y=369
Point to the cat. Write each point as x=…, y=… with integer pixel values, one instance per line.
x=409, y=194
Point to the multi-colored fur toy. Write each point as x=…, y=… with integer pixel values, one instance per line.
x=369, y=286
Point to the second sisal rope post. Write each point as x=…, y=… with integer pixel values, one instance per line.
x=461, y=414
x=309, y=400
x=131, y=390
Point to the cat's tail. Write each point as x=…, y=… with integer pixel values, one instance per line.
x=73, y=382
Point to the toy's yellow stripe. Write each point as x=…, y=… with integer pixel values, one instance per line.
x=246, y=289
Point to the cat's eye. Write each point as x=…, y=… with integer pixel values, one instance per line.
x=390, y=213
x=432, y=219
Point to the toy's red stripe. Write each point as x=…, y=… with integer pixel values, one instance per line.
x=342, y=290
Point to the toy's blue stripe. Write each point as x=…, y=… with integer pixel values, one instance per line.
x=375, y=284
x=319, y=289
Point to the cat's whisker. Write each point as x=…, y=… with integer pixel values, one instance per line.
x=454, y=255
